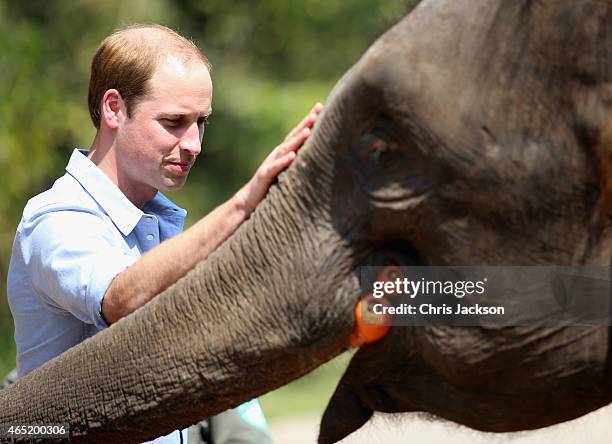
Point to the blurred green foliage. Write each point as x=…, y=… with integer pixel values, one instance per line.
x=271, y=61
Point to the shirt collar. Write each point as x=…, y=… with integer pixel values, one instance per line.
x=161, y=205
x=124, y=214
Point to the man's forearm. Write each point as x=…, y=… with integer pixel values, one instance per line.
x=165, y=264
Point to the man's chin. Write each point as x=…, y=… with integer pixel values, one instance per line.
x=173, y=184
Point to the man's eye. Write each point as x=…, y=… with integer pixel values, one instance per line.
x=172, y=122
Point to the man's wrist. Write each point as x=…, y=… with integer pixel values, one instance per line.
x=240, y=204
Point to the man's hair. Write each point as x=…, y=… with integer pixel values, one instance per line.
x=126, y=61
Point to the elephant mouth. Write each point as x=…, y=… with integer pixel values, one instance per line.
x=384, y=265
x=398, y=253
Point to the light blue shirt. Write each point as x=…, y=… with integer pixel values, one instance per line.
x=72, y=240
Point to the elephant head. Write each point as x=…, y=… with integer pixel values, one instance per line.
x=480, y=132
x=474, y=132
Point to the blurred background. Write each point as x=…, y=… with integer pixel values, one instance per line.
x=272, y=60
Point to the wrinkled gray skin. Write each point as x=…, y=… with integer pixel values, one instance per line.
x=473, y=132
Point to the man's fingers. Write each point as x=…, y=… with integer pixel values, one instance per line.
x=290, y=145
x=308, y=121
x=279, y=159
x=293, y=143
x=274, y=168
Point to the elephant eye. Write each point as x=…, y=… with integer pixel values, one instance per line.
x=389, y=160
x=376, y=146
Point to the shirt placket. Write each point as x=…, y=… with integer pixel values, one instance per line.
x=148, y=227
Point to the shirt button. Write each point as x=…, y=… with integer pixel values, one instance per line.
x=149, y=219
x=150, y=237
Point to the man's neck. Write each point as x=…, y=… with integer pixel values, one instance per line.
x=103, y=156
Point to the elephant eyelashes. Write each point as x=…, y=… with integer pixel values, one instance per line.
x=376, y=147
x=377, y=143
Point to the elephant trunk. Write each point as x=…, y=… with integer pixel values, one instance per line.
x=255, y=315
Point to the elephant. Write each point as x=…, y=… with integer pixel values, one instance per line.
x=473, y=132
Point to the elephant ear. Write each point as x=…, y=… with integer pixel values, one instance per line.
x=345, y=411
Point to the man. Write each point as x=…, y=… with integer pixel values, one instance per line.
x=103, y=241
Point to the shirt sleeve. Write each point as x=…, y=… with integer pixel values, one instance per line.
x=74, y=256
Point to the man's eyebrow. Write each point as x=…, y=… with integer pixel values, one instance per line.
x=171, y=114
x=178, y=114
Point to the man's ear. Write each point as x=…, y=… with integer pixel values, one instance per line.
x=113, y=109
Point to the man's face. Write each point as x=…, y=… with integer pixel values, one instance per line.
x=158, y=144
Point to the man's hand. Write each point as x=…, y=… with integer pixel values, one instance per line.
x=280, y=158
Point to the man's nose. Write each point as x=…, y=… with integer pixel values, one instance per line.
x=191, y=140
